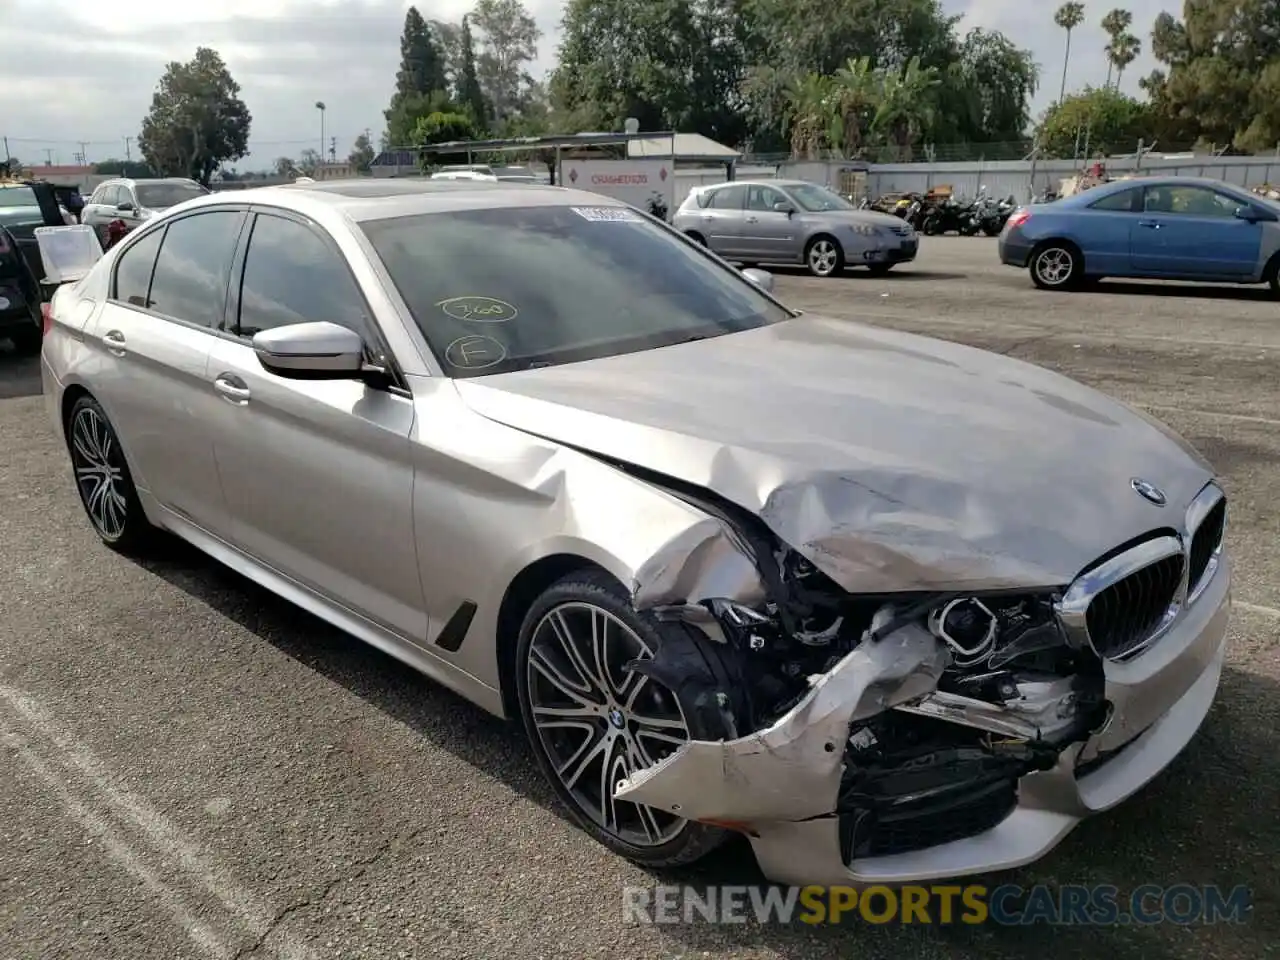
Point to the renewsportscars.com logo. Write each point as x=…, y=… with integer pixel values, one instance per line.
x=1006, y=905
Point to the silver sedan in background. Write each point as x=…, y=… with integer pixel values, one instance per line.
x=793, y=221
x=894, y=608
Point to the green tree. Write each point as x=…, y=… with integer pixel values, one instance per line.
x=1116, y=24
x=421, y=84
x=906, y=106
x=1121, y=52
x=1111, y=121
x=508, y=44
x=1221, y=78
x=985, y=94
x=361, y=156
x=308, y=162
x=812, y=108
x=123, y=168
x=285, y=167
x=857, y=93
x=1068, y=16
x=197, y=120
x=469, y=94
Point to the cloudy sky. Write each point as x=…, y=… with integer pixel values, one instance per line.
x=80, y=71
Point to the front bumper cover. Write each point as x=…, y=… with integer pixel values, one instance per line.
x=781, y=784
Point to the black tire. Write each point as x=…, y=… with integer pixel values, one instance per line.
x=881, y=269
x=824, y=256
x=1272, y=276
x=594, y=594
x=1056, y=265
x=697, y=238
x=930, y=226
x=109, y=498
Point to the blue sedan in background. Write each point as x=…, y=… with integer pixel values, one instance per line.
x=1157, y=228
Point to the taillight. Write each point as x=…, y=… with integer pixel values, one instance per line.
x=46, y=311
x=1018, y=218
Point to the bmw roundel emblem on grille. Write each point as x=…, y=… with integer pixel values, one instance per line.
x=1148, y=491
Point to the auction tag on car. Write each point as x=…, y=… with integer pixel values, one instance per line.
x=607, y=214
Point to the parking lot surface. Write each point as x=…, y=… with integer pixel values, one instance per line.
x=192, y=768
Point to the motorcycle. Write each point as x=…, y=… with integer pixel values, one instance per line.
x=949, y=216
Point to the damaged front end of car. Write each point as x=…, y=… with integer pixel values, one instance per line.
x=892, y=723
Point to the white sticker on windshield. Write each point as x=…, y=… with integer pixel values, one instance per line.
x=607, y=214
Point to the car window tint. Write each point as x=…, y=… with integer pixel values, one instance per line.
x=703, y=198
x=1190, y=201
x=1118, y=202
x=157, y=196
x=133, y=272
x=190, y=281
x=292, y=276
x=762, y=198
x=730, y=198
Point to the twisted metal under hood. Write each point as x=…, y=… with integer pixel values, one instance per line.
x=893, y=462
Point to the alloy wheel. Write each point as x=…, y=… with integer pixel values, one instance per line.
x=823, y=257
x=1055, y=266
x=99, y=469
x=599, y=722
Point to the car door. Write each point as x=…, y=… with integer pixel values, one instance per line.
x=317, y=474
x=722, y=220
x=1189, y=230
x=1104, y=230
x=154, y=332
x=769, y=234
x=101, y=205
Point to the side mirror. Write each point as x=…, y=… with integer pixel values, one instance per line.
x=311, y=351
x=761, y=278
x=1251, y=214
x=125, y=207
x=786, y=208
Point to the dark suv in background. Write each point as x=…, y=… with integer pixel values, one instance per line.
x=135, y=201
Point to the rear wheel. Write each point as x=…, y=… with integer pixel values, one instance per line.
x=824, y=256
x=593, y=722
x=1273, y=276
x=1056, y=266
x=103, y=481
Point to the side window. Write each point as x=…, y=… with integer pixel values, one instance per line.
x=291, y=275
x=190, y=281
x=763, y=198
x=1190, y=201
x=125, y=195
x=106, y=195
x=1121, y=202
x=729, y=198
x=133, y=272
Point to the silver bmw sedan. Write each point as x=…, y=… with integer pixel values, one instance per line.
x=893, y=608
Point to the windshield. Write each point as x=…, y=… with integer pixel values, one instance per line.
x=507, y=289
x=813, y=198
x=20, y=196
x=156, y=196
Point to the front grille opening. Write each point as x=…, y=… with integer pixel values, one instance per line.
x=909, y=826
x=1125, y=615
x=1205, y=542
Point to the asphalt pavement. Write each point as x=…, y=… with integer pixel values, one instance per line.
x=191, y=768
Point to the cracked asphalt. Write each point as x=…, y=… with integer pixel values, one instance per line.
x=191, y=768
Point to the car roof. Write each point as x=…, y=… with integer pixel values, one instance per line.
x=1116, y=186
x=136, y=180
x=368, y=198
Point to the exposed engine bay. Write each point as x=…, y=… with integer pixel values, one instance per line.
x=955, y=698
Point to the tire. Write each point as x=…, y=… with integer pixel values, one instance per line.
x=824, y=256
x=1056, y=265
x=930, y=227
x=1272, y=276
x=548, y=679
x=881, y=269
x=106, y=488
x=697, y=238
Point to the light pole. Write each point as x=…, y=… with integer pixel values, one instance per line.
x=320, y=107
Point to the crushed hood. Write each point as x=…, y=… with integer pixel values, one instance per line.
x=893, y=462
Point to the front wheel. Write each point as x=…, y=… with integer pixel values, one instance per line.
x=592, y=721
x=1055, y=266
x=103, y=480
x=824, y=257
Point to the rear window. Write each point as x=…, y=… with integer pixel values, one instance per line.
x=159, y=195
x=20, y=196
x=508, y=289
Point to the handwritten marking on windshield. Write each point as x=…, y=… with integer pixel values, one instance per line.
x=478, y=309
x=475, y=352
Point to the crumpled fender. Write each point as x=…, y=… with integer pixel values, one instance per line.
x=791, y=770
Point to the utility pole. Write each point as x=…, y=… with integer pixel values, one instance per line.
x=84, y=153
x=333, y=149
x=8, y=157
x=127, y=157
x=48, y=157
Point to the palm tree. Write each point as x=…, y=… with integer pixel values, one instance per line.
x=1116, y=23
x=905, y=105
x=856, y=89
x=811, y=105
x=1121, y=52
x=1069, y=16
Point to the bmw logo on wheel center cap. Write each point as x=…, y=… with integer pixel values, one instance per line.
x=616, y=718
x=1148, y=491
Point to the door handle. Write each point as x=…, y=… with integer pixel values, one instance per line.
x=232, y=387
x=753, y=219
x=114, y=341
x=707, y=218
x=1149, y=224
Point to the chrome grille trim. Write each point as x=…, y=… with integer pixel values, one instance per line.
x=1073, y=607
